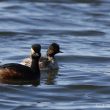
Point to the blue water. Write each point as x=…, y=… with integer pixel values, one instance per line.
x=82, y=28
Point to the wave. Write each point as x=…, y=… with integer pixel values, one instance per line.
x=87, y=87
x=61, y=31
x=71, y=58
x=7, y=33
x=61, y=1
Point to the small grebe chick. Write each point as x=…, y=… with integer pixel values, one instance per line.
x=14, y=71
x=49, y=62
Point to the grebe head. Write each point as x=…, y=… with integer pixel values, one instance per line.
x=36, y=50
x=53, y=49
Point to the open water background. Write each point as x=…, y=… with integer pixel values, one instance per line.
x=82, y=28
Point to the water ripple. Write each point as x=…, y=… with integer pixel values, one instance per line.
x=81, y=28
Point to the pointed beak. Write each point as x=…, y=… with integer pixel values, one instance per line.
x=37, y=55
x=60, y=52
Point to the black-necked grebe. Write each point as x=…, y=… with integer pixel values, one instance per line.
x=14, y=71
x=47, y=62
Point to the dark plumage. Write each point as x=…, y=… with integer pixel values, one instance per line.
x=20, y=72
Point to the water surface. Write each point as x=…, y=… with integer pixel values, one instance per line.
x=82, y=28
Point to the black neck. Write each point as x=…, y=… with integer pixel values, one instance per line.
x=35, y=66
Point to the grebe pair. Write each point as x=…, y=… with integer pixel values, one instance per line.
x=48, y=62
x=22, y=72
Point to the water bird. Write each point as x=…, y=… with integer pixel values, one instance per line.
x=47, y=62
x=15, y=71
